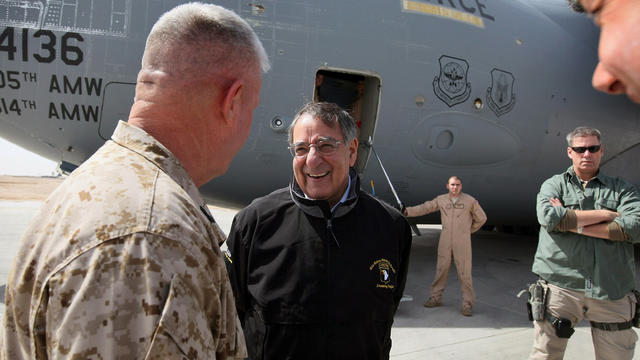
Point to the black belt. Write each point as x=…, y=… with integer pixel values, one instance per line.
x=598, y=325
x=612, y=326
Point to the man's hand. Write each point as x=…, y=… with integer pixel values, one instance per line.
x=555, y=202
x=610, y=215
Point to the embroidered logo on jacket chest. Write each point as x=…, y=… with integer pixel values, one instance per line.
x=386, y=271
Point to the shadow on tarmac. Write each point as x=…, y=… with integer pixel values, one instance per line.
x=501, y=269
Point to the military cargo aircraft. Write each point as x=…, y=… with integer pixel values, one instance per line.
x=482, y=89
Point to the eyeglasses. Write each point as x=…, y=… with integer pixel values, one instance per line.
x=326, y=146
x=581, y=149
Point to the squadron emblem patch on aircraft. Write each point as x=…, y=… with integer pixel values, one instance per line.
x=500, y=95
x=451, y=84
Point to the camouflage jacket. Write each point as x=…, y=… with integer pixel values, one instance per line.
x=122, y=261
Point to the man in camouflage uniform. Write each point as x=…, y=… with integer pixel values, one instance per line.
x=122, y=260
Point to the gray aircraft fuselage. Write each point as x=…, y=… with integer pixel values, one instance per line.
x=482, y=89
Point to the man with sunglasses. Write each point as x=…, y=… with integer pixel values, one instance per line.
x=585, y=258
x=318, y=268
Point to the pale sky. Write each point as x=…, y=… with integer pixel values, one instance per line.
x=15, y=160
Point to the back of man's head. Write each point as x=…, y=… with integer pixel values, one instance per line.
x=194, y=39
x=201, y=63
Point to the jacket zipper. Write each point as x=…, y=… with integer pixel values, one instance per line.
x=330, y=228
x=328, y=332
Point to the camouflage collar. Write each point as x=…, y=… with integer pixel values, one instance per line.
x=138, y=141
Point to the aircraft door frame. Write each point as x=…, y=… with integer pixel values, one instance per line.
x=358, y=92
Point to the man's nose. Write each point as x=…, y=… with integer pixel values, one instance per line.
x=604, y=81
x=313, y=155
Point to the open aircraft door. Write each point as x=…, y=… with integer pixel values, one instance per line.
x=357, y=92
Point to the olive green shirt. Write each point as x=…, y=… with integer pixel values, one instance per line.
x=602, y=269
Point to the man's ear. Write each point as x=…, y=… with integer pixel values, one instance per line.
x=353, y=151
x=232, y=102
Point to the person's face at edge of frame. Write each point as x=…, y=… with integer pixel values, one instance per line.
x=454, y=186
x=618, y=69
x=322, y=177
x=586, y=163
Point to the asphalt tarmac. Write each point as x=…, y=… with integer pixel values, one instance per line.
x=498, y=329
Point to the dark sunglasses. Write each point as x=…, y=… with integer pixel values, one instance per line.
x=581, y=149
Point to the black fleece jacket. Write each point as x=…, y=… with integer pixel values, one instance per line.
x=311, y=284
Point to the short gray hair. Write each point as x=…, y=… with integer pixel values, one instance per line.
x=196, y=36
x=582, y=131
x=331, y=115
x=576, y=6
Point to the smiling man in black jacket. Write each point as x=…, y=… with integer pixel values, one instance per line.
x=318, y=268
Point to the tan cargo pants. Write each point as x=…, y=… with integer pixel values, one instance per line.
x=573, y=305
x=458, y=249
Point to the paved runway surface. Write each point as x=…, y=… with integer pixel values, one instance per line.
x=498, y=328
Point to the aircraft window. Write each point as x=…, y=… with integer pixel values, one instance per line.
x=477, y=104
